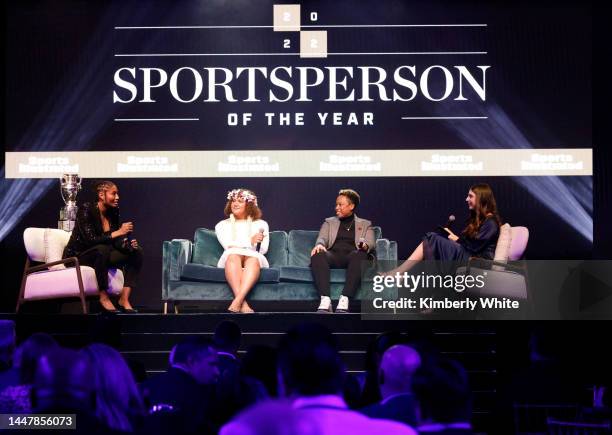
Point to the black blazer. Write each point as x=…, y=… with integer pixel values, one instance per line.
x=88, y=231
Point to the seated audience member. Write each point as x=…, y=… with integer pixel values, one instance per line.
x=63, y=385
x=399, y=363
x=187, y=388
x=16, y=398
x=234, y=390
x=547, y=379
x=444, y=398
x=374, y=353
x=118, y=401
x=259, y=363
x=311, y=375
x=271, y=418
x=9, y=375
x=227, y=342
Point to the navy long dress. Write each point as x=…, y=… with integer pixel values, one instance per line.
x=437, y=247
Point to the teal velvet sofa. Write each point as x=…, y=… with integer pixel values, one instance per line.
x=190, y=271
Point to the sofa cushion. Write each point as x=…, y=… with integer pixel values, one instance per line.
x=206, y=248
x=201, y=272
x=277, y=250
x=62, y=283
x=300, y=244
x=303, y=274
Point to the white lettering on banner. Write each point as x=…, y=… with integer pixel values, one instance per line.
x=355, y=163
x=460, y=162
x=49, y=165
x=551, y=162
x=147, y=164
x=259, y=163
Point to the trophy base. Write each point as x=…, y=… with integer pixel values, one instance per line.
x=65, y=225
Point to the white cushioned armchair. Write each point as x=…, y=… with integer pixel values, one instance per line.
x=57, y=277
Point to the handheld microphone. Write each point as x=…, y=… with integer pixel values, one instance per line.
x=449, y=222
x=362, y=241
x=261, y=231
x=127, y=241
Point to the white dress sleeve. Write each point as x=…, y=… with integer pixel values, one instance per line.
x=224, y=234
x=265, y=243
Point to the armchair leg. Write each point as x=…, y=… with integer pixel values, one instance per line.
x=176, y=310
x=24, y=278
x=166, y=307
x=83, y=304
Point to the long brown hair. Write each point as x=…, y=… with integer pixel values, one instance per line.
x=484, y=207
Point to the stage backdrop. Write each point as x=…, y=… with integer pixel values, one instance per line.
x=409, y=103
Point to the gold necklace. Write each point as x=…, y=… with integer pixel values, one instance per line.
x=349, y=227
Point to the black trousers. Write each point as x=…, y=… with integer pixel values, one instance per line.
x=322, y=262
x=104, y=257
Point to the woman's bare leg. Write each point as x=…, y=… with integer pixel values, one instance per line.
x=416, y=256
x=106, y=302
x=250, y=276
x=124, y=298
x=233, y=275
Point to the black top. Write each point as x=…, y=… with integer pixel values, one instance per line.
x=484, y=243
x=345, y=239
x=88, y=231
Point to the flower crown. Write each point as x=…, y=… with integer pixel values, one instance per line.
x=245, y=195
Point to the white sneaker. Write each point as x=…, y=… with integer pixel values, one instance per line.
x=326, y=305
x=343, y=305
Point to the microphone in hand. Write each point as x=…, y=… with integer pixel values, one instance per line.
x=361, y=244
x=261, y=231
x=441, y=229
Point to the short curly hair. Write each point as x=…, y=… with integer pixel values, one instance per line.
x=352, y=196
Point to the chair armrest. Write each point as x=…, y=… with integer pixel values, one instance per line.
x=479, y=262
x=382, y=249
x=176, y=253
x=53, y=263
x=386, y=250
x=393, y=250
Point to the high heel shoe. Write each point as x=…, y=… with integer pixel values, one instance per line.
x=124, y=310
x=108, y=311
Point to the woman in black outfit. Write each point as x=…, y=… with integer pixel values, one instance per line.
x=478, y=239
x=344, y=242
x=100, y=241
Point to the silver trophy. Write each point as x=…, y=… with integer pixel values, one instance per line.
x=70, y=184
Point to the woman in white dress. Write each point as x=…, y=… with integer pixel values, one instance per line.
x=245, y=239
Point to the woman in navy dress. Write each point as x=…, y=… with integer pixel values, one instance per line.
x=478, y=239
